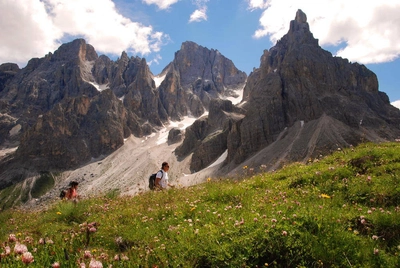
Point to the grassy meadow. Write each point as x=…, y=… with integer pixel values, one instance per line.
x=339, y=211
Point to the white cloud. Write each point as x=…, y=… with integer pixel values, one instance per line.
x=367, y=31
x=26, y=31
x=162, y=4
x=254, y=4
x=201, y=12
x=198, y=15
x=41, y=23
x=396, y=104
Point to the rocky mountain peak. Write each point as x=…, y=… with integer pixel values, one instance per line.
x=299, y=31
x=301, y=17
x=77, y=49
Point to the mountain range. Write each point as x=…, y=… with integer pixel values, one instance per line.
x=109, y=124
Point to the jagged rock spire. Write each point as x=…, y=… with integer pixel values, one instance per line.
x=299, y=31
x=301, y=17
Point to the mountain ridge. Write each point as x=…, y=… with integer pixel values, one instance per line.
x=76, y=111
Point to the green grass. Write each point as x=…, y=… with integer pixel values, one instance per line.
x=340, y=211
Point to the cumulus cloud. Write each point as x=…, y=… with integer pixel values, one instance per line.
x=201, y=12
x=26, y=31
x=162, y=4
x=364, y=31
x=198, y=15
x=42, y=23
x=396, y=104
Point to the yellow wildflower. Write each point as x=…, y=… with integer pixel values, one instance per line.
x=325, y=196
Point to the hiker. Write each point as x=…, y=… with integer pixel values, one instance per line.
x=72, y=192
x=162, y=177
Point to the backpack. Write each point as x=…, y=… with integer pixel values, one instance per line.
x=152, y=180
x=63, y=193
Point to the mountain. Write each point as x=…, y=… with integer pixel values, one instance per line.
x=299, y=104
x=111, y=123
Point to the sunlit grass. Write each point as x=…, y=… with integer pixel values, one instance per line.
x=339, y=211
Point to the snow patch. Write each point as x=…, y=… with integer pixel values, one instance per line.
x=182, y=125
x=158, y=79
x=100, y=88
x=238, y=99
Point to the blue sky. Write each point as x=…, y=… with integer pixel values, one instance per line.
x=363, y=31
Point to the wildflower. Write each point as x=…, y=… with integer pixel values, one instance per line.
x=116, y=258
x=49, y=241
x=7, y=250
x=12, y=238
x=255, y=220
x=41, y=241
x=284, y=233
x=95, y=264
x=58, y=213
x=245, y=167
x=369, y=179
x=87, y=254
x=375, y=237
x=209, y=179
x=274, y=220
x=325, y=196
x=55, y=265
x=92, y=229
x=20, y=248
x=376, y=251
x=27, y=257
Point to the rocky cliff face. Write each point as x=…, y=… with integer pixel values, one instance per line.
x=304, y=102
x=73, y=105
x=195, y=77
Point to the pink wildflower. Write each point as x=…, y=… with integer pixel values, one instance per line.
x=12, y=238
x=95, y=264
x=376, y=251
x=41, y=241
x=27, y=257
x=87, y=254
x=56, y=265
x=92, y=229
x=20, y=248
x=7, y=250
x=284, y=233
x=274, y=220
x=375, y=237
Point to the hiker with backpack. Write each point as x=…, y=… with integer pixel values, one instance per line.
x=159, y=180
x=72, y=192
